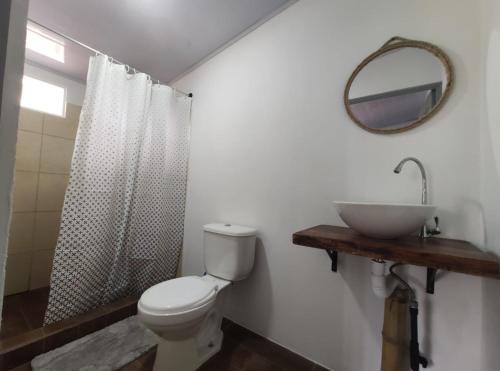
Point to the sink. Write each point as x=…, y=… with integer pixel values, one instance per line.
x=384, y=220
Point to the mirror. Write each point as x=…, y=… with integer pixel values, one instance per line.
x=399, y=87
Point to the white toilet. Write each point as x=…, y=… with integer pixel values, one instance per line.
x=185, y=312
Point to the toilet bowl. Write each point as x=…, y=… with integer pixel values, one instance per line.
x=186, y=312
x=175, y=309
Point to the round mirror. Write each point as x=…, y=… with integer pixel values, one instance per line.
x=400, y=86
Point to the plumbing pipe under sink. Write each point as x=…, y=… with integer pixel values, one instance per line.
x=382, y=284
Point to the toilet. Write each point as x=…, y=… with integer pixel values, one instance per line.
x=185, y=312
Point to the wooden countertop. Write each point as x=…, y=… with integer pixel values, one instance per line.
x=438, y=253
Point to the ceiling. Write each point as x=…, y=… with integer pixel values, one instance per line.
x=163, y=38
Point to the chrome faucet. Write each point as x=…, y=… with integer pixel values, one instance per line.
x=398, y=169
x=423, y=232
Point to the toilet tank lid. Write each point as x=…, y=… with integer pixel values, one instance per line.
x=228, y=229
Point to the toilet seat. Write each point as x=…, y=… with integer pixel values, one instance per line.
x=175, y=309
x=178, y=295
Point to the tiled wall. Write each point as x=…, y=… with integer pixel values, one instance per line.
x=44, y=149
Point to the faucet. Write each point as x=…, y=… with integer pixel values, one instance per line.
x=399, y=167
x=423, y=232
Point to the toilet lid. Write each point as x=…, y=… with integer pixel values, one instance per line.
x=178, y=295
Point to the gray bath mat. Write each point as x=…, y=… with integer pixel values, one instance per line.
x=105, y=350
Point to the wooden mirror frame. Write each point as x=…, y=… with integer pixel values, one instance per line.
x=393, y=43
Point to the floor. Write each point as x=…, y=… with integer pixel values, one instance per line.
x=23, y=312
x=242, y=350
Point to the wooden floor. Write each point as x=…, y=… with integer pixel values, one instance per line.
x=144, y=363
x=23, y=312
x=242, y=350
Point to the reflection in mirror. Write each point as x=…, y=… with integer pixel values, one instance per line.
x=397, y=108
x=397, y=88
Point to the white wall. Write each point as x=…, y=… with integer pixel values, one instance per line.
x=490, y=174
x=75, y=90
x=272, y=147
x=490, y=128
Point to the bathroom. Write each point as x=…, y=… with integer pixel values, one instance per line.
x=272, y=146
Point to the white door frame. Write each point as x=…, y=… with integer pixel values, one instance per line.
x=12, y=44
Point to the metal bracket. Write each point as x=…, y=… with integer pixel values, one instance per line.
x=431, y=280
x=334, y=257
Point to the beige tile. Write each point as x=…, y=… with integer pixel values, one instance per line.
x=30, y=120
x=46, y=230
x=25, y=189
x=17, y=276
x=51, y=191
x=56, y=155
x=21, y=232
x=41, y=267
x=65, y=127
x=28, y=150
x=73, y=112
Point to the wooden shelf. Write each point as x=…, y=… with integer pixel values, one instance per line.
x=436, y=253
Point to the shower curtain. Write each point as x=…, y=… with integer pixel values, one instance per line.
x=123, y=216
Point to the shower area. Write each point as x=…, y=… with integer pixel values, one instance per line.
x=98, y=194
x=43, y=158
x=51, y=103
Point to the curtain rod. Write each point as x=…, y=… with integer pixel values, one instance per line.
x=96, y=51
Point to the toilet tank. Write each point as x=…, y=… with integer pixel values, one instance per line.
x=229, y=250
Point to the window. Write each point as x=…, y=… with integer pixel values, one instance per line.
x=45, y=45
x=44, y=97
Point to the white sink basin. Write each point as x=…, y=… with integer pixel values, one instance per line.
x=386, y=221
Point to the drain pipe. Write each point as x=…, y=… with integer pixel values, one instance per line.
x=382, y=284
x=416, y=359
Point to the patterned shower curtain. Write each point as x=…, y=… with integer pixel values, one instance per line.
x=123, y=216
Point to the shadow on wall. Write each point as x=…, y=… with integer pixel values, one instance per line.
x=257, y=288
x=491, y=325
